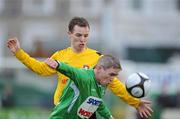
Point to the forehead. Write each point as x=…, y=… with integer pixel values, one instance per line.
x=82, y=30
x=112, y=70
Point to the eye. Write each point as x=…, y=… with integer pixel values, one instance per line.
x=113, y=74
x=78, y=35
x=86, y=35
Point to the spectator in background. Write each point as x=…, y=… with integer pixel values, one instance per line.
x=38, y=48
x=7, y=97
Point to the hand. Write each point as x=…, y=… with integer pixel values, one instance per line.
x=13, y=45
x=51, y=63
x=144, y=109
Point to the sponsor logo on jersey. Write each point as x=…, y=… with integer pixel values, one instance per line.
x=84, y=113
x=93, y=101
x=88, y=107
x=64, y=81
x=85, y=66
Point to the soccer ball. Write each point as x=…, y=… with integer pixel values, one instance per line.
x=138, y=84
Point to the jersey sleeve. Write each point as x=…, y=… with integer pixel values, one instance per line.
x=36, y=66
x=71, y=72
x=104, y=111
x=118, y=88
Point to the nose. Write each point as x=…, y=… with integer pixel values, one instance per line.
x=110, y=79
x=82, y=39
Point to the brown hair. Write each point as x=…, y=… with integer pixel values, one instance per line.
x=80, y=21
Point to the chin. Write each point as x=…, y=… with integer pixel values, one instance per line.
x=104, y=84
x=81, y=47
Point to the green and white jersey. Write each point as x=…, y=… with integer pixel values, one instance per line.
x=82, y=95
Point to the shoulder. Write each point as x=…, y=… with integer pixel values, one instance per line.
x=85, y=73
x=61, y=52
x=95, y=52
x=65, y=50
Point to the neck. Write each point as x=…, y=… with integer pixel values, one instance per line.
x=78, y=50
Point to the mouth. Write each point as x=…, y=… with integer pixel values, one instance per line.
x=81, y=45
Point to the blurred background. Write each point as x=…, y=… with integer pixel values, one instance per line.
x=144, y=34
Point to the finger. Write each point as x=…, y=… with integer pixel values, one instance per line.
x=47, y=61
x=8, y=41
x=10, y=47
x=144, y=114
x=141, y=115
x=50, y=62
x=9, y=44
x=148, y=113
x=54, y=65
x=15, y=40
x=148, y=107
x=146, y=101
x=11, y=41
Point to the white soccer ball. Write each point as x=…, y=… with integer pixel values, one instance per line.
x=138, y=85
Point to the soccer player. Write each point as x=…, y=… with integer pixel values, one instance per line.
x=77, y=55
x=83, y=94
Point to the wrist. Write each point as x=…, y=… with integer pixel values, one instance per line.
x=16, y=50
x=58, y=63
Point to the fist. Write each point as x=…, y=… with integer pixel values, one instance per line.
x=51, y=63
x=13, y=45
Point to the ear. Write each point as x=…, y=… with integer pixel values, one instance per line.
x=99, y=67
x=69, y=34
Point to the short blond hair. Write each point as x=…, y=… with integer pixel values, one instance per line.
x=108, y=61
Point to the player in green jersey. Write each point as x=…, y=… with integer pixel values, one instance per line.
x=83, y=93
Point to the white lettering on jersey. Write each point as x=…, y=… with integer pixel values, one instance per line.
x=88, y=107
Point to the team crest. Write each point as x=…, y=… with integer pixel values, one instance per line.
x=85, y=66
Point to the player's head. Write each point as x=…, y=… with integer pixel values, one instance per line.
x=78, y=31
x=106, y=69
x=79, y=21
